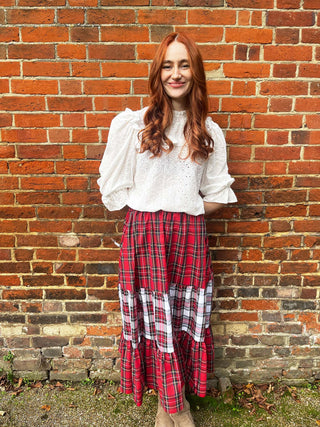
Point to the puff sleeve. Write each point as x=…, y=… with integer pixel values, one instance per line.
x=118, y=163
x=216, y=181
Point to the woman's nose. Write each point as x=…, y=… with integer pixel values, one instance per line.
x=176, y=73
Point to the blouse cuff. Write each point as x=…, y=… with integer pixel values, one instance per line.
x=116, y=200
x=221, y=194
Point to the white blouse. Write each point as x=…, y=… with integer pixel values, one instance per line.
x=170, y=182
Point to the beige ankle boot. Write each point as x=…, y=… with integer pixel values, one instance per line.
x=163, y=418
x=183, y=418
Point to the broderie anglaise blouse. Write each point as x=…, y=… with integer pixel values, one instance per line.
x=170, y=182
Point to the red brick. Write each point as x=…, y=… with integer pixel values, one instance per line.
x=16, y=212
x=37, y=198
x=245, y=138
x=71, y=51
x=74, y=152
x=131, y=34
x=239, y=153
x=84, y=3
x=99, y=120
x=128, y=2
x=298, y=267
x=280, y=105
x=111, y=52
x=6, y=151
x=239, y=317
x=251, y=227
x=313, y=121
x=34, y=87
x=211, y=17
x=38, y=183
x=35, y=167
x=163, y=17
x=50, y=226
x=71, y=16
x=109, y=103
x=263, y=267
x=290, y=19
x=245, y=168
x=53, y=69
x=304, y=168
x=84, y=34
x=69, y=103
x=219, y=52
x=95, y=87
x=242, y=121
x=5, y=120
x=306, y=181
x=163, y=2
x=285, y=211
x=9, y=68
x=251, y=4
x=246, y=70
x=85, y=69
x=293, y=196
x=288, y=53
x=244, y=88
x=30, y=16
x=259, y=305
x=9, y=34
x=44, y=34
x=24, y=135
x=288, y=4
x=276, y=254
x=110, y=16
x=311, y=153
x=203, y=34
x=309, y=70
x=275, y=121
x=249, y=35
x=244, y=104
x=287, y=35
x=22, y=294
x=310, y=35
x=277, y=153
x=251, y=255
x=306, y=225
x=284, y=88
x=31, y=51
x=124, y=69
x=8, y=183
x=284, y=70
x=37, y=120
x=284, y=241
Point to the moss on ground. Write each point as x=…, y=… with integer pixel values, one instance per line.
x=88, y=404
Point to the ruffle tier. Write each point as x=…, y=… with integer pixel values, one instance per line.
x=147, y=367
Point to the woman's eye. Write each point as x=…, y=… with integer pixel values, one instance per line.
x=166, y=67
x=185, y=66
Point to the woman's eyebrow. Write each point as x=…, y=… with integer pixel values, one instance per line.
x=168, y=61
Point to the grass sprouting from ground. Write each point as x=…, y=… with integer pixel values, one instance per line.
x=91, y=403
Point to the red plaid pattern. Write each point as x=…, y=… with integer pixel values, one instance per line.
x=165, y=290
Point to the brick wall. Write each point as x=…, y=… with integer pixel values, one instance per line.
x=66, y=68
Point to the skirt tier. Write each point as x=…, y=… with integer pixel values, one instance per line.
x=165, y=289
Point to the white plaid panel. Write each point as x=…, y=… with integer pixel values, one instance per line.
x=155, y=316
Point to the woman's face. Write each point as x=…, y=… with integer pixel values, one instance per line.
x=176, y=75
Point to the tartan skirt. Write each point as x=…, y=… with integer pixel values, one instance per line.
x=165, y=290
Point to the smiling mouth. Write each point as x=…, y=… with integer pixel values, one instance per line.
x=176, y=85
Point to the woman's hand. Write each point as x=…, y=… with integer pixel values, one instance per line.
x=211, y=207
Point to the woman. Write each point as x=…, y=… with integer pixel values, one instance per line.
x=167, y=162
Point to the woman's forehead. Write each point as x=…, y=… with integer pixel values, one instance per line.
x=176, y=51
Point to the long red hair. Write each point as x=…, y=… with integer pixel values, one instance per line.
x=159, y=114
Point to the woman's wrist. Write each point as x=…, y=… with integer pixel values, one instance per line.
x=211, y=207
